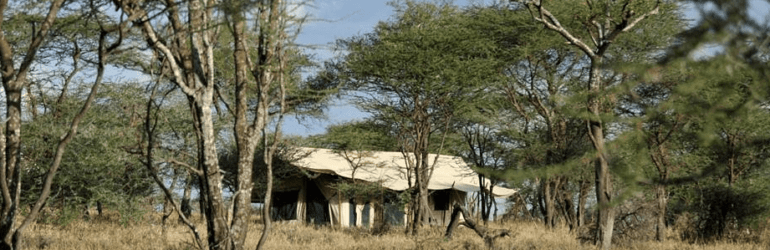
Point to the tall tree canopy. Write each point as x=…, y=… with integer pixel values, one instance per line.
x=417, y=72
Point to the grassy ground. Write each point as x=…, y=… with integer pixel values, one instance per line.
x=106, y=233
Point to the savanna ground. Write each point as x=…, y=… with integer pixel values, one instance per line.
x=106, y=232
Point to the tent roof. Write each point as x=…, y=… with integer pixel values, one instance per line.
x=390, y=169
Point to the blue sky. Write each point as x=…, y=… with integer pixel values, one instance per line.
x=334, y=20
x=340, y=19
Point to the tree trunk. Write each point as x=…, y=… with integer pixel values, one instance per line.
x=550, y=187
x=416, y=204
x=267, y=221
x=487, y=199
x=186, y=207
x=483, y=200
x=215, y=211
x=168, y=209
x=662, y=202
x=246, y=137
x=488, y=235
x=585, y=188
x=201, y=199
x=419, y=203
x=409, y=210
x=12, y=178
x=605, y=213
x=426, y=212
x=494, y=203
x=547, y=203
x=568, y=206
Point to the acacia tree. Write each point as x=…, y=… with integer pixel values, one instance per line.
x=98, y=171
x=739, y=69
x=416, y=73
x=269, y=71
x=661, y=135
x=537, y=84
x=260, y=83
x=604, y=24
x=484, y=149
x=14, y=79
x=188, y=54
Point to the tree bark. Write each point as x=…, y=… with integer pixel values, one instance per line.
x=551, y=187
x=215, y=212
x=662, y=202
x=266, y=220
x=605, y=218
x=548, y=207
x=186, y=207
x=568, y=206
x=585, y=188
x=245, y=137
x=488, y=235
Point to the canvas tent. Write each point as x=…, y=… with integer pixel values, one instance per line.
x=311, y=197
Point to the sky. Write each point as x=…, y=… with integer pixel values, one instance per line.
x=339, y=19
x=332, y=20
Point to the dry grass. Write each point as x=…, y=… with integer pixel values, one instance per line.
x=106, y=233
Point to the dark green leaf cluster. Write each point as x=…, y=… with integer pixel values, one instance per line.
x=100, y=166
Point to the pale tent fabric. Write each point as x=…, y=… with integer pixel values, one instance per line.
x=332, y=195
x=390, y=168
x=344, y=213
x=335, y=213
x=371, y=213
x=301, y=206
x=364, y=208
x=359, y=213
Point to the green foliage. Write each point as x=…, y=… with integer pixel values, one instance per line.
x=718, y=208
x=286, y=153
x=98, y=165
x=358, y=135
x=430, y=61
x=359, y=190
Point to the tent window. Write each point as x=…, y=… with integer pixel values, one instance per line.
x=317, y=206
x=284, y=205
x=441, y=199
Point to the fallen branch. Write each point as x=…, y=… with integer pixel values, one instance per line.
x=489, y=235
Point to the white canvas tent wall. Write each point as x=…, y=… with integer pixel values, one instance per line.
x=389, y=169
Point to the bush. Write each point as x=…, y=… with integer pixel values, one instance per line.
x=728, y=208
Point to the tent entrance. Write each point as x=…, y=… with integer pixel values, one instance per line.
x=317, y=206
x=284, y=205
